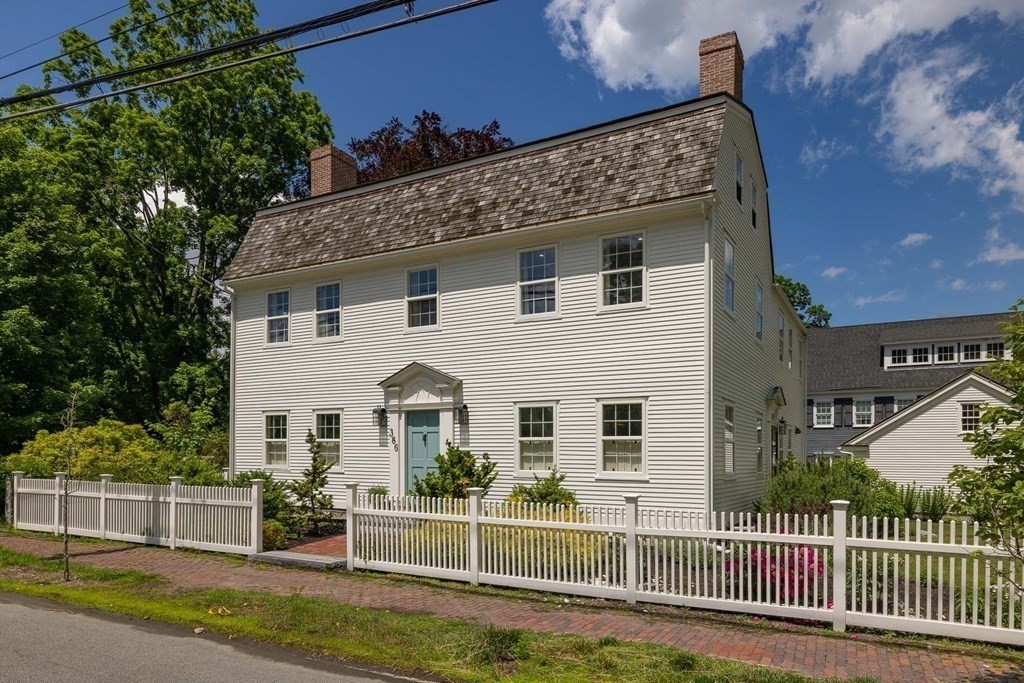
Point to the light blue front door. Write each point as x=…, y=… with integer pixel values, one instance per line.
x=422, y=443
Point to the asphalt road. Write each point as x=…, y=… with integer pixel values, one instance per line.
x=45, y=641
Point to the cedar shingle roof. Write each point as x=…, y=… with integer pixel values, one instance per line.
x=849, y=358
x=618, y=167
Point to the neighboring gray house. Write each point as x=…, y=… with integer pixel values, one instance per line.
x=860, y=375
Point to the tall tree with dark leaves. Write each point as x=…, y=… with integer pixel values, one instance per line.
x=397, y=149
x=799, y=294
x=171, y=178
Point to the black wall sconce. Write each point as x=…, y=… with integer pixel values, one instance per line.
x=462, y=414
x=380, y=417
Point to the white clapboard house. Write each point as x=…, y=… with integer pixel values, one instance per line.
x=601, y=301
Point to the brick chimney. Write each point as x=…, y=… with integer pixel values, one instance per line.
x=330, y=170
x=721, y=66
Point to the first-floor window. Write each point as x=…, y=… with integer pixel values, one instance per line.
x=729, y=441
x=994, y=350
x=328, y=433
x=902, y=403
x=759, y=440
x=970, y=417
x=972, y=352
x=863, y=412
x=276, y=440
x=823, y=413
x=622, y=437
x=536, y=438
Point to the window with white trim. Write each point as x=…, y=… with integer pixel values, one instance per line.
x=970, y=417
x=275, y=439
x=759, y=315
x=538, y=284
x=729, y=440
x=823, y=414
x=421, y=298
x=945, y=353
x=995, y=350
x=920, y=355
x=328, y=310
x=536, y=437
x=622, y=270
x=790, y=348
x=730, y=274
x=759, y=441
x=970, y=352
x=782, y=338
x=863, y=412
x=753, y=204
x=277, y=317
x=622, y=437
x=903, y=402
x=739, y=178
x=328, y=433
x=898, y=357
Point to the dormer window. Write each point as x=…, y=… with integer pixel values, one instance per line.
x=739, y=178
x=971, y=352
x=921, y=355
x=945, y=353
x=899, y=357
x=994, y=350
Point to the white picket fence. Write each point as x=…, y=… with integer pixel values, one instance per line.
x=217, y=518
x=900, y=575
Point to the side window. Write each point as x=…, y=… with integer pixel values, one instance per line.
x=782, y=338
x=729, y=441
x=790, y=348
x=759, y=316
x=277, y=317
x=730, y=274
x=753, y=204
x=739, y=178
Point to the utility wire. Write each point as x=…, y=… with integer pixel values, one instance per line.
x=43, y=40
x=105, y=39
x=254, y=41
x=270, y=55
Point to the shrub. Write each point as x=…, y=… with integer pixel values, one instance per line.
x=935, y=503
x=277, y=504
x=377, y=491
x=275, y=535
x=808, y=489
x=312, y=509
x=457, y=472
x=792, y=572
x=908, y=498
x=548, y=490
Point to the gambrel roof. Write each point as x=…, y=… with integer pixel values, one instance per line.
x=652, y=158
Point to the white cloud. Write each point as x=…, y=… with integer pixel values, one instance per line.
x=958, y=285
x=997, y=285
x=816, y=156
x=833, y=272
x=962, y=285
x=653, y=43
x=891, y=296
x=937, y=264
x=914, y=239
x=998, y=250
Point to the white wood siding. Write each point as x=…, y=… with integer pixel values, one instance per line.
x=584, y=355
x=745, y=368
x=926, y=447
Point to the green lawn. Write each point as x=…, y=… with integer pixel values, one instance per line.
x=451, y=649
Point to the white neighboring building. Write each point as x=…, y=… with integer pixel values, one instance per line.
x=921, y=443
x=601, y=301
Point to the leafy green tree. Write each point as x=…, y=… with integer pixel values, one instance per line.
x=457, y=472
x=799, y=294
x=992, y=492
x=312, y=508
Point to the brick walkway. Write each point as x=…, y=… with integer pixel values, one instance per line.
x=332, y=546
x=810, y=654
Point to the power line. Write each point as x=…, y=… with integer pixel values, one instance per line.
x=251, y=42
x=43, y=40
x=291, y=50
x=104, y=39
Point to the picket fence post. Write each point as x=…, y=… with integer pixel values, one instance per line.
x=173, y=521
x=475, y=503
x=839, y=508
x=351, y=490
x=16, y=476
x=631, y=550
x=104, y=483
x=257, y=516
x=58, y=489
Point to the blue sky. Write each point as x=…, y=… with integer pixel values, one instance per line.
x=890, y=130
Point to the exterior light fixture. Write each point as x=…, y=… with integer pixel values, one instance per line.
x=462, y=413
x=380, y=417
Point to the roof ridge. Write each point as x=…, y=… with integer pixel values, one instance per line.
x=913, y=320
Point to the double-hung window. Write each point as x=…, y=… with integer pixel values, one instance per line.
x=759, y=316
x=739, y=178
x=790, y=348
x=421, y=297
x=538, y=284
x=863, y=412
x=729, y=440
x=971, y=352
x=945, y=353
x=823, y=413
x=328, y=433
x=276, y=440
x=994, y=350
x=328, y=310
x=782, y=338
x=277, y=317
x=622, y=270
x=622, y=436
x=759, y=441
x=970, y=417
x=536, y=437
x=730, y=275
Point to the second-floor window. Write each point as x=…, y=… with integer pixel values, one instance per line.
x=753, y=205
x=759, y=319
x=730, y=275
x=739, y=178
x=790, y=348
x=328, y=310
x=823, y=413
x=863, y=412
x=421, y=298
x=538, y=271
x=782, y=338
x=970, y=417
x=277, y=317
x=622, y=270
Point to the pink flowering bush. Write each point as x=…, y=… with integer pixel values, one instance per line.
x=789, y=572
